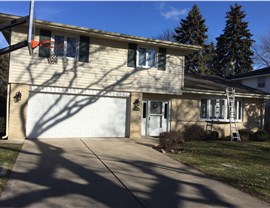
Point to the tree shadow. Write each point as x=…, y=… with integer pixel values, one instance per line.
x=55, y=178
x=85, y=181
x=253, y=117
x=106, y=80
x=44, y=181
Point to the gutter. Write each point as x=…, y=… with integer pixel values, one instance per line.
x=7, y=113
x=249, y=77
x=106, y=35
x=222, y=93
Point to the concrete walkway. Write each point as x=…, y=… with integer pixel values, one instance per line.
x=111, y=173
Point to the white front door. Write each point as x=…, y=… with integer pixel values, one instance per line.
x=155, y=117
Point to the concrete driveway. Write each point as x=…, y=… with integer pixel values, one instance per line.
x=111, y=173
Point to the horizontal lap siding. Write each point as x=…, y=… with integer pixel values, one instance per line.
x=107, y=69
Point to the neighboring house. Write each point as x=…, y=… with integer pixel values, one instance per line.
x=258, y=79
x=114, y=85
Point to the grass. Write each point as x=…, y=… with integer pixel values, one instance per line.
x=245, y=165
x=8, y=155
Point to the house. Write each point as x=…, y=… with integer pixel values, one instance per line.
x=258, y=79
x=113, y=85
x=204, y=100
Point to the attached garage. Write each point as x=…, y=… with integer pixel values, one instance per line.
x=63, y=113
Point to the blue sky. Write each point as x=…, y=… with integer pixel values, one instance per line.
x=146, y=19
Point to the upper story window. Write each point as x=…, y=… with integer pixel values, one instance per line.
x=146, y=57
x=143, y=57
x=65, y=46
x=261, y=82
x=216, y=109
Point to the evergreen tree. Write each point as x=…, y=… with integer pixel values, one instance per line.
x=192, y=30
x=234, y=45
x=210, y=56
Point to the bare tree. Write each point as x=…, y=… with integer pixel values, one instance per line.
x=262, y=51
x=167, y=35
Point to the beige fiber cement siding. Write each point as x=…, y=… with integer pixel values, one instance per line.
x=18, y=112
x=107, y=69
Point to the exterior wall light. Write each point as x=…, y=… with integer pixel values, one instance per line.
x=136, y=105
x=17, y=97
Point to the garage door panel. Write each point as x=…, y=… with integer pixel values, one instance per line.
x=56, y=116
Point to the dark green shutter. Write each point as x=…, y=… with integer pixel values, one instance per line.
x=131, y=62
x=44, y=35
x=84, y=49
x=162, y=59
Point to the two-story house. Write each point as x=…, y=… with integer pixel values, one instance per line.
x=258, y=79
x=113, y=85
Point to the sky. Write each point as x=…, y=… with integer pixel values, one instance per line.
x=142, y=18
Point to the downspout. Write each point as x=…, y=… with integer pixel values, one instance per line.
x=263, y=114
x=7, y=113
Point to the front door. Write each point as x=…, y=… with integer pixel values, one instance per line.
x=155, y=117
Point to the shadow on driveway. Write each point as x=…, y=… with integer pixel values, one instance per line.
x=102, y=173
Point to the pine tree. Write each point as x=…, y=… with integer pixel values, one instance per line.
x=234, y=45
x=210, y=56
x=192, y=30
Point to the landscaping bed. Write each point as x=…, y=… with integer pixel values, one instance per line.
x=8, y=156
x=245, y=165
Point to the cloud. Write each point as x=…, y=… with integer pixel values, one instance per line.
x=174, y=13
x=46, y=13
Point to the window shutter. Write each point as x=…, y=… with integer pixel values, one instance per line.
x=84, y=49
x=162, y=59
x=131, y=62
x=44, y=35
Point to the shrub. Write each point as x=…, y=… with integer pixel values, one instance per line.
x=2, y=125
x=213, y=135
x=193, y=132
x=260, y=135
x=170, y=140
x=245, y=134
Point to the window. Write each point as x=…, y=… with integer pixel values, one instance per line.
x=156, y=107
x=71, y=47
x=146, y=57
x=59, y=42
x=261, y=82
x=217, y=109
x=65, y=46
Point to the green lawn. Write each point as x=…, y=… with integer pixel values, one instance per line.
x=8, y=155
x=245, y=165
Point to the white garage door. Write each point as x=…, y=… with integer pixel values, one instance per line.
x=61, y=116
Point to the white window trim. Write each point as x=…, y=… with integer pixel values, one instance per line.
x=226, y=118
x=65, y=45
x=138, y=56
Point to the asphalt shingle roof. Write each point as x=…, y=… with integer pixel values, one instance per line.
x=209, y=82
x=257, y=72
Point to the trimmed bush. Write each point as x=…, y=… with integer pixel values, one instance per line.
x=2, y=126
x=213, y=135
x=260, y=136
x=193, y=132
x=170, y=140
x=245, y=134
